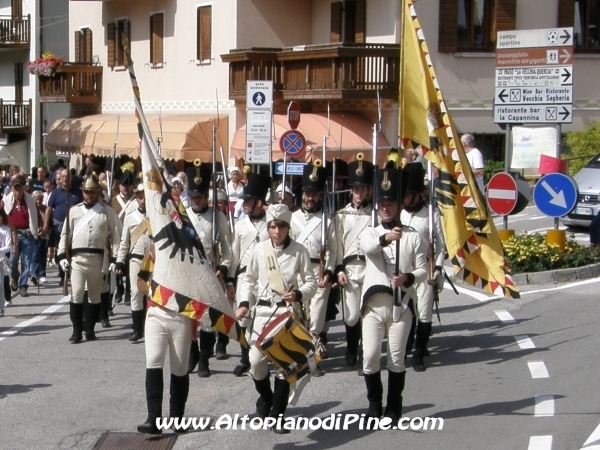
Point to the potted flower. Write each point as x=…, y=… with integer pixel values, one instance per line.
x=46, y=65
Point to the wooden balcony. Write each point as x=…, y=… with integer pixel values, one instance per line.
x=15, y=117
x=331, y=71
x=72, y=83
x=15, y=33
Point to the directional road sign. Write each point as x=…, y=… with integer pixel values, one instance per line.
x=555, y=194
x=533, y=114
x=535, y=76
x=534, y=57
x=502, y=193
x=292, y=168
x=293, y=143
x=548, y=37
x=534, y=95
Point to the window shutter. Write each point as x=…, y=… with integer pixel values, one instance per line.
x=335, y=34
x=111, y=31
x=505, y=17
x=156, y=43
x=87, y=34
x=204, y=32
x=448, y=26
x=19, y=83
x=17, y=9
x=360, y=24
x=77, y=41
x=126, y=36
x=566, y=13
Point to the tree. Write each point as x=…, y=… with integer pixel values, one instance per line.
x=582, y=145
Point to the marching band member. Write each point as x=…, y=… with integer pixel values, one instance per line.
x=249, y=231
x=135, y=242
x=416, y=215
x=271, y=278
x=380, y=314
x=307, y=230
x=351, y=221
x=93, y=235
x=201, y=216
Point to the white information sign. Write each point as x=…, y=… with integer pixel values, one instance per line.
x=542, y=94
x=548, y=37
x=533, y=114
x=258, y=136
x=535, y=76
x=529, y=144
x=259, y=95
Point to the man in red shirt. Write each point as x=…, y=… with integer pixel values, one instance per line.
x=25, y=219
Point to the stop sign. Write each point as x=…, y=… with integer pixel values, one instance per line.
x=293, y=115
x=502, y=193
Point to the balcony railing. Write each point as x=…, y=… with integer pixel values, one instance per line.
x=72, y=83
x=15, y=117
x=15, y=33
x=331, y=71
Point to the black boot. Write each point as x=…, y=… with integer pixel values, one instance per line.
x=221, y=350
x=180, y=387
x=104, y=309
x=411, y=336
x=265, y=399
x=206, y=344
x=374, y=394
x=324, y=340
x=76, y=313
x=194, y=356
x=92, y=314
x=120, y=289
x=353, y=334
x=138, y=325
x=154, y=395
x=423, y=331
x=393, y=409
x=244, y=365
x=280, y=402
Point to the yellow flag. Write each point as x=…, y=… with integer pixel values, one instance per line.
x=471, y=237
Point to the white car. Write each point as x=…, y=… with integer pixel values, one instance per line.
x=588, y=201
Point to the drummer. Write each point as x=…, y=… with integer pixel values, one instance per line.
x=273, y=273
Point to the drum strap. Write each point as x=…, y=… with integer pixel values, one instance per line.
x=276, y=282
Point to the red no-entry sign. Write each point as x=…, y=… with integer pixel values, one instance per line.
x=502, y=193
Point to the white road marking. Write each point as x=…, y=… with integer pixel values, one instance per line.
x=540, y=443
x=561, y=227
x=525, y=342
x=566, y=286
x=544, y=406
x=593, y=442
x=505, y=316
x=476, y=295
x=538, y=369
x=48, y=311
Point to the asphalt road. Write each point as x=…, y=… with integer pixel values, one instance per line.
x=482, y=378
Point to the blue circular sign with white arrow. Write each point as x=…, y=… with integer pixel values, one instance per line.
x=555, y=194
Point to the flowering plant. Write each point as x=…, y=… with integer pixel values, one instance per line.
x=46, y=65
x=530, y=253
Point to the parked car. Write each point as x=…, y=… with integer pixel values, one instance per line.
x=588, y=202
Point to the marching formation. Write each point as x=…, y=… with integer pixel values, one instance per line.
x=286, y=270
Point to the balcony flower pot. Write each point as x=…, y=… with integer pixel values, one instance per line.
x=46, y=65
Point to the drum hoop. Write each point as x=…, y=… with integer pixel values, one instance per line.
x=282, y=317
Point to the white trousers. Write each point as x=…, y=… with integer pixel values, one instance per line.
x=377, y=320
x=316, y=307
x=86, y=269
x=137, y=298
x=263, y=316
x=425, y=295
x=167, y=330
x=352, y=292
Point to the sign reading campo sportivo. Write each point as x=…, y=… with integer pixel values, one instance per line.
x=534, y=76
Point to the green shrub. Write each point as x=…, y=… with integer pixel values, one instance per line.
x=582, y=145
x=530, y=253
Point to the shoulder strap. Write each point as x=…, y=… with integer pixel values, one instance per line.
x=87, y=217
x=276, y=282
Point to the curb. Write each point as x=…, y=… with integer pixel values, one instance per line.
x=558, y=275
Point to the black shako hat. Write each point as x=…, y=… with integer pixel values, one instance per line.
x=386, y=184
x=257, y=186
x=415, y=177
x=127, y=178
x=199, y=179
x=314, y=177
x=360, y=172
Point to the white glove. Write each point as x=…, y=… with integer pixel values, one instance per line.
x=435, y=278
x=112, y=267
x=64, y=265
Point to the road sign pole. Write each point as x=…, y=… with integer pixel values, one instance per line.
x=558, y=143
x=283, y=180
x=507, y=159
